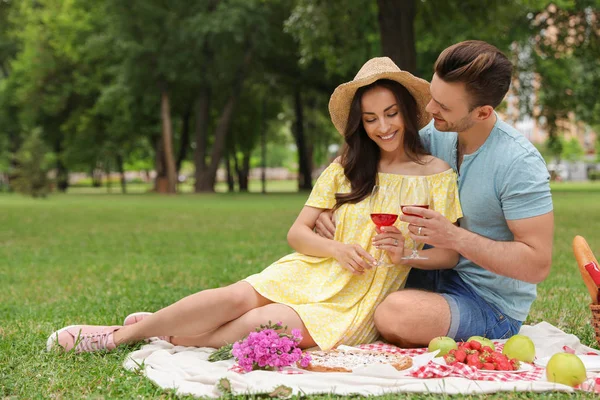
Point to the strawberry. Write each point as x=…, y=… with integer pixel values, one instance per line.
x=460, y=355
x=504, y=366
x=475, y=345
x=472, y=359
x=487, y=349
x=449, y=358
x=489, y=366
x=515, y=364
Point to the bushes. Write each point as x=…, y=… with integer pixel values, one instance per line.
x=33, y=161
x=594, y=175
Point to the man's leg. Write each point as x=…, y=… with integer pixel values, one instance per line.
x=439, y=303
x=411, y=318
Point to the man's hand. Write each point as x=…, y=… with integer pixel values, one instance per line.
x=325, y=226
x=433, y=228
x=354, y=258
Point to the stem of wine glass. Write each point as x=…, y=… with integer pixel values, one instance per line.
x=380, y=261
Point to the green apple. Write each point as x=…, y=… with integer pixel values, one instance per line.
x=519, y=347
x=442, y=343
x=566, y=368
x=484, y=341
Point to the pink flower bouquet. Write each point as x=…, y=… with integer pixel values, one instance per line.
x=268, y=349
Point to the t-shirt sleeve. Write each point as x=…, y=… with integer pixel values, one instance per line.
x=525, y=191
x=328, y=184
x=444, y=193
x=425, y=134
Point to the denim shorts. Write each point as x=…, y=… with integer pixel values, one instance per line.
x=470, y=314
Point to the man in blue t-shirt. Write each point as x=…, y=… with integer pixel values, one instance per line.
x=505, y=236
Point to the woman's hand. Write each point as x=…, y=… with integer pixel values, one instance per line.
x=354, y=258
x=390, y=239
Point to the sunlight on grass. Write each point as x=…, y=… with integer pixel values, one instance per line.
x=93, y=258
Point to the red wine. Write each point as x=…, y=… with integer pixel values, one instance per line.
x=413, y=205
x=384, y=219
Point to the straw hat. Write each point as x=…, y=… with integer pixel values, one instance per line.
x=375, y=69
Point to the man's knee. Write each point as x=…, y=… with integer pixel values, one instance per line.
x=389, y=315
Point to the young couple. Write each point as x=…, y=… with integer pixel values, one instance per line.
x=482, y=262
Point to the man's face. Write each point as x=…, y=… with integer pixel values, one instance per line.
x=449, y=106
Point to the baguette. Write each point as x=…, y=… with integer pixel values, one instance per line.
x=584, y=255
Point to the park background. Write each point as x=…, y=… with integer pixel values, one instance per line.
x=108, y=105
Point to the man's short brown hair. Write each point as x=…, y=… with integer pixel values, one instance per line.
x=485, y=71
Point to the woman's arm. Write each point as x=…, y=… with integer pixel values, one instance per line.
x=302, y=239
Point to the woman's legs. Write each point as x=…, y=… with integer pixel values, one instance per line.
x=240, y=327
x=196, y=314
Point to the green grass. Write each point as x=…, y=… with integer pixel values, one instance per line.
x=93, y=258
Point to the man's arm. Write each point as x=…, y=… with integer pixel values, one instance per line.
x=527, y=258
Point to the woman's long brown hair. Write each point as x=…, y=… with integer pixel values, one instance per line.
x=360, y=157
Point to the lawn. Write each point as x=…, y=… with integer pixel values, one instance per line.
x=93, y=258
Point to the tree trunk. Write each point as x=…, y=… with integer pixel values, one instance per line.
x=62, y=173
x=243, y=171
x=159, y=166
x=304, y=164
x=263, y=148
x=206, y=181
x=14, y=143
x=121, y=169
x=185, y=139
x=202, y=116
x=167, y=136
x=230, y=180
x=107, y=173
x=396, y=26
x=96, y=175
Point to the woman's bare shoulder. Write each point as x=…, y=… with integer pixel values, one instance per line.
x=434, y=165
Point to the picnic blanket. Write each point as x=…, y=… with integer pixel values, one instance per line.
x=187, y=370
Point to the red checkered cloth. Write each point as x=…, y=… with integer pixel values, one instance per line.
x=435, y=370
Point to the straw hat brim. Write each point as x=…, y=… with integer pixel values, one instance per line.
x=341, y=99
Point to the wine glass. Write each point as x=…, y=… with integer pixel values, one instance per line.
x=414, y=192
x=384, y=209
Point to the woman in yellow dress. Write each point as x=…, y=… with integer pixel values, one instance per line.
x=328, y=289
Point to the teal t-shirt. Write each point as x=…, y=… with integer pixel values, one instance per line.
x=505, y=179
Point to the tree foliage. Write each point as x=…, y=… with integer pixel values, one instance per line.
x=153, y=84
x=33, y=161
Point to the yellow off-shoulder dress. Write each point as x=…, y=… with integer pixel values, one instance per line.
x=335, y=305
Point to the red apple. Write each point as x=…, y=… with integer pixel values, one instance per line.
x=442, y=343
x=566, y=368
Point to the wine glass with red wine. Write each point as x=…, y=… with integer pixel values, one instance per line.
x=384, y=209
x=414, y=194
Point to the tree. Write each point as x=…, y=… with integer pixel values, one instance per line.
x=566, y=57
x=33, y=162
